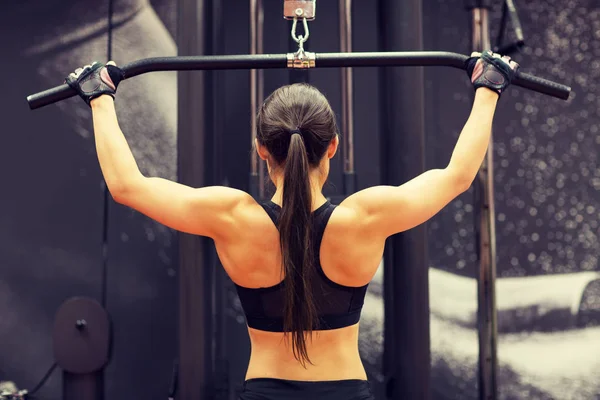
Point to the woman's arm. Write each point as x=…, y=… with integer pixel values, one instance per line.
x=117, y=163
x=386, y=210
x=209, y=211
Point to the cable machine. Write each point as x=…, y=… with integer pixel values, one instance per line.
x=301, y=12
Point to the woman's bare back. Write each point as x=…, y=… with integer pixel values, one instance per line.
x=254, y=261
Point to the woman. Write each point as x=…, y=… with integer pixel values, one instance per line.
x=302, y=279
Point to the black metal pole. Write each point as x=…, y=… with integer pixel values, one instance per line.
x=486, y=282
x=345, y=16
x=215, y=175
x=406, y=283
x=257, y=169
x=510, y=11
x=254, y=160
x=196, y=300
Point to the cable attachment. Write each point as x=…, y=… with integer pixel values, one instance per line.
x=301, y=59
x=293, y=9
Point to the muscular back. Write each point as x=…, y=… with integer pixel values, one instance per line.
x=253, y=260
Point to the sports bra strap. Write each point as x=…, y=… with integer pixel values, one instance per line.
x=271, y=209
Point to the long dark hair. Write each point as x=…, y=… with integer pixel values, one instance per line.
x=296, y=124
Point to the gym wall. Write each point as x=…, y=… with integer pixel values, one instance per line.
x=51, y=203
x=547, y=188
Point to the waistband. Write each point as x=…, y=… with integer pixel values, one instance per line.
x=274, y=389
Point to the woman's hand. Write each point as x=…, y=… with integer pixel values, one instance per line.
x=491, y=70
x=96, y=79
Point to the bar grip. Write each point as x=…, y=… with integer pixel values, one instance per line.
x=542, y=85
x=50, y=96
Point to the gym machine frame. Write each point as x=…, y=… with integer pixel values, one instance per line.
x=485, y=224
x=346, y=59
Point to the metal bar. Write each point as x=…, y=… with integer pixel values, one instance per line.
x=260, y=47
x=502, y=29
x=406, y=294
x=509, y=10
x=254, y=160
x=486, y=283
x=324, y=60
x=515, y=21
x=345, y=9
x=257, y=169
x=215, y=175
x=196, y=379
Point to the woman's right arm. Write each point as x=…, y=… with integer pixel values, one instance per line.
x=387, y=210
x=382, y=211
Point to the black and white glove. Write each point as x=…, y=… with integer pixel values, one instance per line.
x=491, y=70
x=96, y=79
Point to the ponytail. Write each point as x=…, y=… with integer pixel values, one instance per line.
x=296, y=248
x=295, y=154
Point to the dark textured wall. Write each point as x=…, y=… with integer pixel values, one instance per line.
x=51, y=203
x=547, y=211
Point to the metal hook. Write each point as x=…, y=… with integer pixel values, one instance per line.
x=301, y=59
x=302, y=38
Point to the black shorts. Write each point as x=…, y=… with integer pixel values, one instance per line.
x=278, y=389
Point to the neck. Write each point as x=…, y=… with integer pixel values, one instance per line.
x=316, y=183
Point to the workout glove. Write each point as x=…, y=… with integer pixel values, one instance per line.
x=491, y=70
x=95, y=80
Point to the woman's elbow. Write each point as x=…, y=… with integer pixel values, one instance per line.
x=464, y=184
x=462, y=180
x=118, y=193
x=122, y=192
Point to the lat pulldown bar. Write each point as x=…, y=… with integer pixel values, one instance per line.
x=323, y=60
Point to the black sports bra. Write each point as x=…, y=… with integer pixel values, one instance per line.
x=337, y=306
